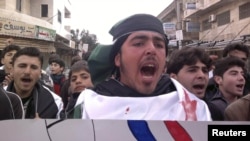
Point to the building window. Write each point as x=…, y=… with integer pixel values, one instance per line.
x=59, y=15
x=244, y=11
x=19, y=5
x=44, y=10
x=206, y=25
x=66, y=13
x=223, y=18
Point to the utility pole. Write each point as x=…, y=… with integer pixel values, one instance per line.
x=179, y=20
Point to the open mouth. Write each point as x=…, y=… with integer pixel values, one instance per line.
x=199, y=86
x=80, y=88
x=26, y=80
x=240, y=86
x=148, y=70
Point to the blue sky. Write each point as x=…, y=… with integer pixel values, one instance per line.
x=98, y=16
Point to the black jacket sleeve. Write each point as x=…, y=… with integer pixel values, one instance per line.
x=10, y=105
x=17, y=105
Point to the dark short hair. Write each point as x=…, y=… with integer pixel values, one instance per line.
x=223, y=64
x=187, y=56
x=235, y=46
x=29, y=51
x=58, y=61
x=8, y=49
x=75, y=59
x=79, y=65
x=52, y=57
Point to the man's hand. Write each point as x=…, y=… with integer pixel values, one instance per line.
x=7, y=80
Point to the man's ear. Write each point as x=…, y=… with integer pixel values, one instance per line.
x=61, y=68
x=173, y=75
x=118, y=60
x=217, y=79
x=2, y=61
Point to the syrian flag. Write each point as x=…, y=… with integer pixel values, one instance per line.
x=177, y=105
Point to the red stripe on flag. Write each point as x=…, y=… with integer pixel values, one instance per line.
x=177, y=131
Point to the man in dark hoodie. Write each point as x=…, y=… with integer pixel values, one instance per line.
x=38, y=100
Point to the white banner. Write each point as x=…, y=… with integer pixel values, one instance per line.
x=117, y=130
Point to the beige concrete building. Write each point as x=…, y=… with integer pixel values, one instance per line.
x=43, y=24
x=222, y=22
x=219, y=22
x=58, y=14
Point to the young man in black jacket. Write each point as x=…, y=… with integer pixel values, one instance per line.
x=238, y=50
x=229, y=78
x=37, y=99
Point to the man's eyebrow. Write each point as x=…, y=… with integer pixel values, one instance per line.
x=139, y=37
x=158, y=38
x=194, y=66
x=146, y=37
x=235, y=70
x=22, y=63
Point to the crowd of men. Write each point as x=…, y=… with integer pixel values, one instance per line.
x=129, y=79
